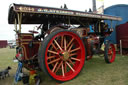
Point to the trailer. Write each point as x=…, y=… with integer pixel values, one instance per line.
x=122, y=38
x=3, y=43
x=67, y=38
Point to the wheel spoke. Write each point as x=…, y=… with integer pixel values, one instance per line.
x=54, y=67
x=70, y=66
x=70, y=42
x=75, y=49
x=109, y=53
x=55, y=60
x=65, y=67
x=50, y=51
x=50, y=57
x=63, y=70
x=62, y=41
x=110, y=57
x=70, y=61
x=110, y=48
x=75, y=59
x=70, y=48
x=73, y=54
x=59, y=66
x=65, y=48
x=58, y=45
x=54, y=46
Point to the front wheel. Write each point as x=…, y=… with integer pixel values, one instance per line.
x=62, y=55
x=110, y=52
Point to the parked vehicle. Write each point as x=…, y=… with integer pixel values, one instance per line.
x=12, y=45
x=67, y=39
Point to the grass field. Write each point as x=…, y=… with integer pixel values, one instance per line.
x=95, y=71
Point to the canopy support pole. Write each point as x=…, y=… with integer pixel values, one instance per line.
x=99, y=27
x=16, y=25
x=69, y=21
x=19, y=21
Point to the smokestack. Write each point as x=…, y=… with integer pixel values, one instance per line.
x=94, y=5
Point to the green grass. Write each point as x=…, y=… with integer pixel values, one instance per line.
x=94, y=72
x=97, y=72
x=6, y=59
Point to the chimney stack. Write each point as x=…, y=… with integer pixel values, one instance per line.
x=94, y=5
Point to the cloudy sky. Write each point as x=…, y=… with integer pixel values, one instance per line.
x=6, y=30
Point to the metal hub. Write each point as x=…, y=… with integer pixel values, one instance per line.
x=65, y=55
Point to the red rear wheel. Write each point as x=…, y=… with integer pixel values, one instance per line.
x=110, y=52
x=62, y=55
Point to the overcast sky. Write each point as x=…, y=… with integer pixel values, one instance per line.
x=6, y=30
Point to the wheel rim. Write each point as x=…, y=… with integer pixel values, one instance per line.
x=64, y=56
x=111, y=53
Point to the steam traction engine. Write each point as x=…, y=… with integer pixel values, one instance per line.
x=67, y=38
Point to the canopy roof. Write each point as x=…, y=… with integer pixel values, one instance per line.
x=39, y=14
